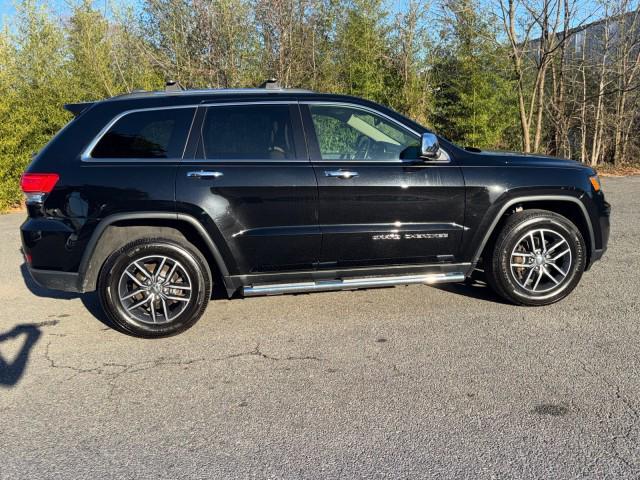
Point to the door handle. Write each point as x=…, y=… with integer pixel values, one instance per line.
x=204, y=174
x=341, y=173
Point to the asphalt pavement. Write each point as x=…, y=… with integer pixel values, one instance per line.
x=405, y=382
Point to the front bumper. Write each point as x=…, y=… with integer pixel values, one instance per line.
x=603, y=225
x=597, y=254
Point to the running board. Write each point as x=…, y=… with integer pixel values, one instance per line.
x=350, y=283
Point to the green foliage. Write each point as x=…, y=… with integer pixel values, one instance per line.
x=362, y=52
x=104, y=57
x=33, y=86
x=45, y=64
x=474, y=98
x=459, y=84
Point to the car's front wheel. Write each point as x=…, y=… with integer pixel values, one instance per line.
x=155, y=287
x=537, y=259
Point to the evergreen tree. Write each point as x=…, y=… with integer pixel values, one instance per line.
x=410, y=43
x=362, y=53
x=473, y=95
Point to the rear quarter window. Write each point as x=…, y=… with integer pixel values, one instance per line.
x=148, y=134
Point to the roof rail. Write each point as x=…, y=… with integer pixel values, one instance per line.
x=172, y=86
x=270, y=84
x=77, y=108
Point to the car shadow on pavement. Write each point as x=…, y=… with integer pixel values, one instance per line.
x=475, y=287
x=89, y=300
x=11, y=371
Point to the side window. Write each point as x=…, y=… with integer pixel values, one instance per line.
x=347, y=133
x=150, y=134
x=248, y=132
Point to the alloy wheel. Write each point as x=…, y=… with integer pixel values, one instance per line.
x=155, y=289
x=541, y=260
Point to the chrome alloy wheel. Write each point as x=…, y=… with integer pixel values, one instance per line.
x=541, y=260
x=154, y=289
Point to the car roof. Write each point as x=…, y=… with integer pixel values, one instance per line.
x=170, y=98
x=140, y=100
x=210, y=91
x=158, y=99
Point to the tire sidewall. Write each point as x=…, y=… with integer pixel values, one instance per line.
x=114, y=267
x=575, y=243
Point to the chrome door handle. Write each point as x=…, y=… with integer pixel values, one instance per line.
x=341, y=173
x=204, y=174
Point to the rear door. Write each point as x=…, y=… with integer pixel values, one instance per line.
x=252, y=186
x=379, y=203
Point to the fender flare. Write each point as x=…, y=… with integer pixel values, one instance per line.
x=534, y=198
x=98, y=231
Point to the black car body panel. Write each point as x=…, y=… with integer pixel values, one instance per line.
x=270, y=219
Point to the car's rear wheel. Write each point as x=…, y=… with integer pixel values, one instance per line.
x=537, y=259
x=155, y=287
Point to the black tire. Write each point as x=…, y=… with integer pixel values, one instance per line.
x=176, y=308
x=518, y=284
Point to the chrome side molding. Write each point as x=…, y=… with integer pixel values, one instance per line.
x=341, y=174
x=350, y=283
x=204, y=174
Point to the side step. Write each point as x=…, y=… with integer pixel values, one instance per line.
x=350, y=283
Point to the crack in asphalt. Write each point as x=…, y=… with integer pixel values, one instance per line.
x=128, y=368
x=124, y=367
x=256, y=352
x=163, y=361
x=47, y=323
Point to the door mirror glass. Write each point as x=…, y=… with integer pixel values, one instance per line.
x=429, y=147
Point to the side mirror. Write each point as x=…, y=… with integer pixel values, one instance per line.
x=429, y=147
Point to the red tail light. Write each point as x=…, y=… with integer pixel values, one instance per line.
x=38, y=182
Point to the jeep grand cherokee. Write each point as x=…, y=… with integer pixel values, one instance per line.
x=151, y=198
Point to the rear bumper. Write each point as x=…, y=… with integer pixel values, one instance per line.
x=46, y=245
x=56, y=280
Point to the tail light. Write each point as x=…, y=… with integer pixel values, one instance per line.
x=38, y=182
x=36, y=185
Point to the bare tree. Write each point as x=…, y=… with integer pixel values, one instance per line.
x=531, y=58
x=626, y=65
x=225, y=45
x=598, y=121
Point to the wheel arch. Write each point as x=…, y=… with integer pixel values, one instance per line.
x=116, y=230
x=565, y=205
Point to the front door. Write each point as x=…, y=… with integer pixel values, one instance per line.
x=379, y=204
x=252, y=186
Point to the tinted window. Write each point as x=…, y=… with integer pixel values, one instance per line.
x=248, y=132
x=346, y=133
x=150, y=134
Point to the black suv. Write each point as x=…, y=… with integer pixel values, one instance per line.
x=152, y=198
